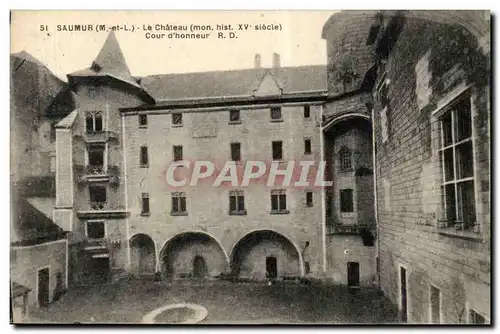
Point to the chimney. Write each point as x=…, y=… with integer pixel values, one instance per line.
x=257, y=60
x=276, y=60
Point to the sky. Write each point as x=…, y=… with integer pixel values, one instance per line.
x=298, y=42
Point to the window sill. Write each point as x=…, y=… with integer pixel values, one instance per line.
x=279, y=212
x=144, y=166
x=178, y=213
x=145, y=214
x=277, y=120
x=143, y=126
x=461, y=234
x=238, y=213
x=177, y=125
x=309, y=206
x=234, y=122
x=307, y=153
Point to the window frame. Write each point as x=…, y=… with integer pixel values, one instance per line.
x=175, y=154
x=238, y=146
x=309, y=201
x=92, y=202
x=179, y=124
x=95, y=221
x=93, y=114
x=145, y=196
x=143, y=120
x=144, y=153
x=237, y=194
x=280, y=196
x=271, y=113
x=449, y=107
x=307, y=144
x=345, y=155
x=237, y=112
x=307, y=111
x=178, y=195
x=281, y=158
x=342, y=191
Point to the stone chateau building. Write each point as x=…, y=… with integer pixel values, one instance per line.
x=402, y=122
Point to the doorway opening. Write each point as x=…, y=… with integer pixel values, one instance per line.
x=199, y=267
x=43, y=287
x=271, y=267
x=353, y=274
x=403, y=294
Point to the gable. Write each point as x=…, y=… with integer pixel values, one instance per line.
x=268, y=86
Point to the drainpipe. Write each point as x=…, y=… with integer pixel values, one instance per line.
x=375, y=194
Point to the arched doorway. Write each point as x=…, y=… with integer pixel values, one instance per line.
x=192, y=254
x=265, y=253
x=142, y=255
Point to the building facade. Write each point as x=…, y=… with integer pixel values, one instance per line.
x=115, y=148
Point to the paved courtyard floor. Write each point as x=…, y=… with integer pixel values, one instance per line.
x=128, y=301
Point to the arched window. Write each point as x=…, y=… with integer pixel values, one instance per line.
x=345, y=159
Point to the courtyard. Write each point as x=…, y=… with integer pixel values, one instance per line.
x=128, y=300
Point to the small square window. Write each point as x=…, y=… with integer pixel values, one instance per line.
x=143, y=120
x=234, y=116
x=276, y=113
x=178, y=153
x=307, y=111
x=307, y=146
x=96, y=229
x=277, y=147
x=177, y=119
x=309, y=199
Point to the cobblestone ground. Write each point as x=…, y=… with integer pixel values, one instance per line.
x=128, y=301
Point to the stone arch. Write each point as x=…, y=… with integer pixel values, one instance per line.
x=249, y=254
x=142, y=254
x=180, y=254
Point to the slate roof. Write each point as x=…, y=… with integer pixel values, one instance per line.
x=199, y=85
x=109, y=62
x=35, y=87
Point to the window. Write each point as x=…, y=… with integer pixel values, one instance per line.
x=145, y=204
x=93, y=122
x=179, y=203
x=235, y=151
x=143, y=120
x=457, y=160
x=435, y=309
x=177, y=153
x=97, y=197
x=346, y=200
x=278, y=201
x=236, y=202
x=234, y=116
x=307, y=146
x=345, y=159
x=144, y=159
x=96, y=159
x=276, y=113
x=476, y=318
x=307, y=111
x=53, y=164
x=53, y=132
x=96, y=229
x=277, y=147
x=309, y=198
x=177, y=119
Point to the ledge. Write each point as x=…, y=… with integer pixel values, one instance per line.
x=280, y=212
x=276, y=120
x=146, y=214
x=178, y=213
x=234, y=122
x=460, y=234
x=103, y=213
x=177, y=125
x=238, y=213
x=144, y=166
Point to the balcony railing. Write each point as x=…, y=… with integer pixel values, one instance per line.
x=91, y=173
x=99, y=209
x=334, y=227
x=99, y=136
